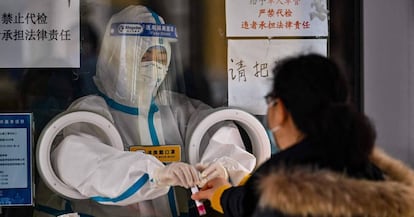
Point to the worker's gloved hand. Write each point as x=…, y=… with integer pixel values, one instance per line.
x=177, y=174
x=223, y=167
x=211, y=171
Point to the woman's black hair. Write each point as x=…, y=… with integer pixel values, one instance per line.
x=316, y=94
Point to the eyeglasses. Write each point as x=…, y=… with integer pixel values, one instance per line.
x=271, y=100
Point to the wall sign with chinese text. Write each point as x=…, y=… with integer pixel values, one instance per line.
x=250, y=64
x=271, y=18
x=16, y=183
x=39, y=34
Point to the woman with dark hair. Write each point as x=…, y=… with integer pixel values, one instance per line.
x=326, y=166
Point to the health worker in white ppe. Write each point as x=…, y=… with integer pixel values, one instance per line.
x=133, y=78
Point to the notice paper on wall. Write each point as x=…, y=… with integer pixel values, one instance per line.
x=250, y=64
x=16, y=180
x=40, y=34
x=272, y=18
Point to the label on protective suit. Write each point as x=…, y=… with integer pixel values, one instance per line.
x=164, y=153
x=144, y=29
x=70, y=215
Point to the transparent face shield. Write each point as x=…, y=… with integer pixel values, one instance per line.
x=138, y=61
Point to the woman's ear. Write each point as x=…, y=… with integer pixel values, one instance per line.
x=282, y=112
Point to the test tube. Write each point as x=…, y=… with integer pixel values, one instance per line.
x=200, y=206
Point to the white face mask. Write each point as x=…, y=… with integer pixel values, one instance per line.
x=149, y=78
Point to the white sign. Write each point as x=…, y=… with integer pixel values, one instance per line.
x=13, y=146
x=16, y=181
x=40, y=34
x=271, y=18
x=250, y=64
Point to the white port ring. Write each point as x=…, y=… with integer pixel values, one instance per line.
x=50, y=132
x=254, y=129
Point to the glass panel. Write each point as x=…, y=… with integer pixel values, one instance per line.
x=197, y=58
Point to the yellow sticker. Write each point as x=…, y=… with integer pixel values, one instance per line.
x=164, y=153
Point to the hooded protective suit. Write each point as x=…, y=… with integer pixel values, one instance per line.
x=120, y=183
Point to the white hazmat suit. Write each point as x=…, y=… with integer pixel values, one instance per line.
x=126, y=183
